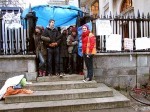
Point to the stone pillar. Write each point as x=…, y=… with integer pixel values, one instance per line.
x=31, y=21
x=31, y=75
x=31, y=66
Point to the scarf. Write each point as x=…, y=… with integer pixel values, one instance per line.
x=85, y=34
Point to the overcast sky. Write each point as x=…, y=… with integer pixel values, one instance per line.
x=34, y=2
x=43, y=2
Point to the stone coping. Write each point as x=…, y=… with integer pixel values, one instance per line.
x=122, y=53
x=17, y=56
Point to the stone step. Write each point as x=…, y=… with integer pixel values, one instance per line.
x=41, y=96
x=61, y=85
x=67, y=77
x=117, y=101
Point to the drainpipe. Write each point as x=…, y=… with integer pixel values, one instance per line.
x=1, y=40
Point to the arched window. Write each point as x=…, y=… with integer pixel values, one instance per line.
x=95, y=8
x=126, y=4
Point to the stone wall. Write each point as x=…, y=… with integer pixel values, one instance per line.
x=122, y=69
x=12, y=65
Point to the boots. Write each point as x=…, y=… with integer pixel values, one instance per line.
x=40, y=73
x=44, y=73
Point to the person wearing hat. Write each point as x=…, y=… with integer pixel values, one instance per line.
x=88, y=50
x=72, y=42
x=64, y=51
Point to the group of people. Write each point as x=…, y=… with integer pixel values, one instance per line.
x=53, y=47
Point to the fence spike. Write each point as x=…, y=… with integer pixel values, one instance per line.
x=133, y=15
x=116, y=15
x=104, y=15
x=110, y=15
x=143, y=15
x=138, y=14
x=148, y=15
x=128, y=16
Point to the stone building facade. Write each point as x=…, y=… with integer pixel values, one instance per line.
x=121, y=69
x=116, y=6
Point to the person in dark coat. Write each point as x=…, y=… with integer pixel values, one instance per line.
x=53, y=48
x=64, y=50
x=40, y=50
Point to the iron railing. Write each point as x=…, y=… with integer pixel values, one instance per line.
x=17, y=39
x=20, y=41
x=128, y=27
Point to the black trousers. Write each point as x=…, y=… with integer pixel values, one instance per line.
x=53, y=60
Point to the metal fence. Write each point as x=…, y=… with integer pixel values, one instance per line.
x=128, y=27
x=12, y=34
x=16, y=33
x=17, y=38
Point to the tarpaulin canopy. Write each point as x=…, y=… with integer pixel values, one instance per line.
x=63, y=15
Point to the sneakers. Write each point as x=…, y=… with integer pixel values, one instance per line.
x=61, y=75
x=87, y=79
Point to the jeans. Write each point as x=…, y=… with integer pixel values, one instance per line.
x=72, y=63
x=89, y=65
x=53, y=54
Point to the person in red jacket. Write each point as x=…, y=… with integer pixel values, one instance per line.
x=88, y=50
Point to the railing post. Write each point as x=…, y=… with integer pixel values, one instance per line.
x=1, y=37
x=31, y=23
x=148, y=18
x=134, y=20
x=104, y=39
x=138, y=25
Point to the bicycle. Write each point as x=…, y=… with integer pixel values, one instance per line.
x=141, y=94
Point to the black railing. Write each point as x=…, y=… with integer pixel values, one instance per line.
x=17, y=40
x=128, y=27
x=20, y=41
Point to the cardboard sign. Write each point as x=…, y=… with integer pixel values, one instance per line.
x=103, y=27
x=142, y=43
x=128, y=44
x=113, y=42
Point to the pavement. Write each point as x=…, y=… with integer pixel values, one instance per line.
x=135, y=106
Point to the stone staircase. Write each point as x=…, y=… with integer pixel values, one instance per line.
x=67, y=94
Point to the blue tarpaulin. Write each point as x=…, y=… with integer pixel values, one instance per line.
x=63, y=15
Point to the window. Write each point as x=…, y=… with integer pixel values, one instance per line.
x=126, y=4
x=95, y=8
